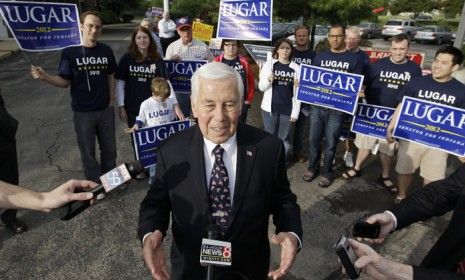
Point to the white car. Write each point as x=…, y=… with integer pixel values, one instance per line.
x=434, y=33
x=394, y=27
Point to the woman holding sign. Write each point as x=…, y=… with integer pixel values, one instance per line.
x=135, y=72
x=239, y=63
x=278, y=81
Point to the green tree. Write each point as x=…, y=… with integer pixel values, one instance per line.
x=452, y=7
x=327, y=11
x=415, y=6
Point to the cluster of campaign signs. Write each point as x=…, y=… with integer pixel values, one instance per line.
x=51, y=26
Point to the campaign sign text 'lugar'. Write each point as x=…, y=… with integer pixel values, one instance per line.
x=434, y=125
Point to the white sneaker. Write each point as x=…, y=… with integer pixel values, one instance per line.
x=100, y=196
x=349, y=159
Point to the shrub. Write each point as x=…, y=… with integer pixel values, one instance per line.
x=109, y=17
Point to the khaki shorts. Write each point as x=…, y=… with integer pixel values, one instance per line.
x=432, y=162
x=366, y=143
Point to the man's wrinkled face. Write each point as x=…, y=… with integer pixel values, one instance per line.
x=217, y=108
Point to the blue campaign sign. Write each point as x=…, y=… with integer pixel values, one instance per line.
x=148, y=139
x=432, y=125
x=180, y=73
x=42, y=26
x=329, y=88
x=372, y=120
x=245, y=20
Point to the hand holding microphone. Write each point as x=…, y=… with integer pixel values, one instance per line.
x=109, y=181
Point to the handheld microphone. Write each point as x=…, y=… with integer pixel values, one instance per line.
x=108, y=181
x=214, y=252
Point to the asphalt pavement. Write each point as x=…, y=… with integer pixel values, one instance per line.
x=101, y=242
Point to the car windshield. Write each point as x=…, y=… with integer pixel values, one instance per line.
x=363, y=25
x=394, y=22
x=321, y=30
x=428, y=29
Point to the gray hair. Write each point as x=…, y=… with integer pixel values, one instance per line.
x=215, y=71
x=354, y=30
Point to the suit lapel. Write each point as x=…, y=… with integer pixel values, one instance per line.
x=199, y=185
x=246, y=154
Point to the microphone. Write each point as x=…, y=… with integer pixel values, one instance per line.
x=214, y=252
x=108, y=181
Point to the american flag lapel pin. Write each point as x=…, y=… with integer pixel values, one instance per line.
x=249, y=153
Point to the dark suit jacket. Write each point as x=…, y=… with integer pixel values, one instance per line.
x=262, y=189
x=434, y=200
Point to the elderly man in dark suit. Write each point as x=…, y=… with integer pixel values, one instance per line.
x=446, y=259
x=254, y=173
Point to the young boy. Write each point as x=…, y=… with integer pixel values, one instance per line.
x=155, y=110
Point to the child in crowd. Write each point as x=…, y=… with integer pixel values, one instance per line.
x=155, y=110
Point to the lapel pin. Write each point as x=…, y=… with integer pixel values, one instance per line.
x=249, y=153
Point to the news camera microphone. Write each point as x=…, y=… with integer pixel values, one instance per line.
x=213, y=232
x=214, y=252
x=108, y=181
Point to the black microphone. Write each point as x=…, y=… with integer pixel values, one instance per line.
x=213, y=233
x=108, y=181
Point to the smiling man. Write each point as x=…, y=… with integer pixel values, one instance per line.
x=438, y=87
x=88, y=71
x=220, y=172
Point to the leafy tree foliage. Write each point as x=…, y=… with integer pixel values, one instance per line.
x=452, y=7
x=416, y=6
x=327, y=11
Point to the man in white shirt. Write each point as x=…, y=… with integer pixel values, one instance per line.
x=166, y=30
x=186, y=48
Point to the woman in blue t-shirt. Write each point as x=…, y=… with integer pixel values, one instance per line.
x=278, y=82
x=135, y=72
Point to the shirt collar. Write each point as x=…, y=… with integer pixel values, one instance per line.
x=227, y=146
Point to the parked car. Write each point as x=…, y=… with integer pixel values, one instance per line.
x=284, y=29
x=398, y=26
x=424, y=16
x=434, y=34
x=369, y=30
x=321, y=32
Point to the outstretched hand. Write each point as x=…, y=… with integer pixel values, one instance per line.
x=288, y=243
x=154, y=256
x=65, y=193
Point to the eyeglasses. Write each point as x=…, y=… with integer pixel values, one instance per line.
x=336, y=36
x=230, y=45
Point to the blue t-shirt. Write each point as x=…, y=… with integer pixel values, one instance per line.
x=138, y=77
x=95, y=64
x=283, y=89
x=236, y=65
x=305, y=57
x=345, y=61
x=363, y=60
x=385, y=78
x=450, y=93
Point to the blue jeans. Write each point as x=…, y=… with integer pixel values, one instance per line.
x=278, y=125
x=100, y=125
x=323, y=123
x=184, y=102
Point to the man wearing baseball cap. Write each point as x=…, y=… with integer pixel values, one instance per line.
x=186, y=48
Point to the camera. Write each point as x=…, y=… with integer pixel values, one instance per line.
x=347, y=256
x=366, y=230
